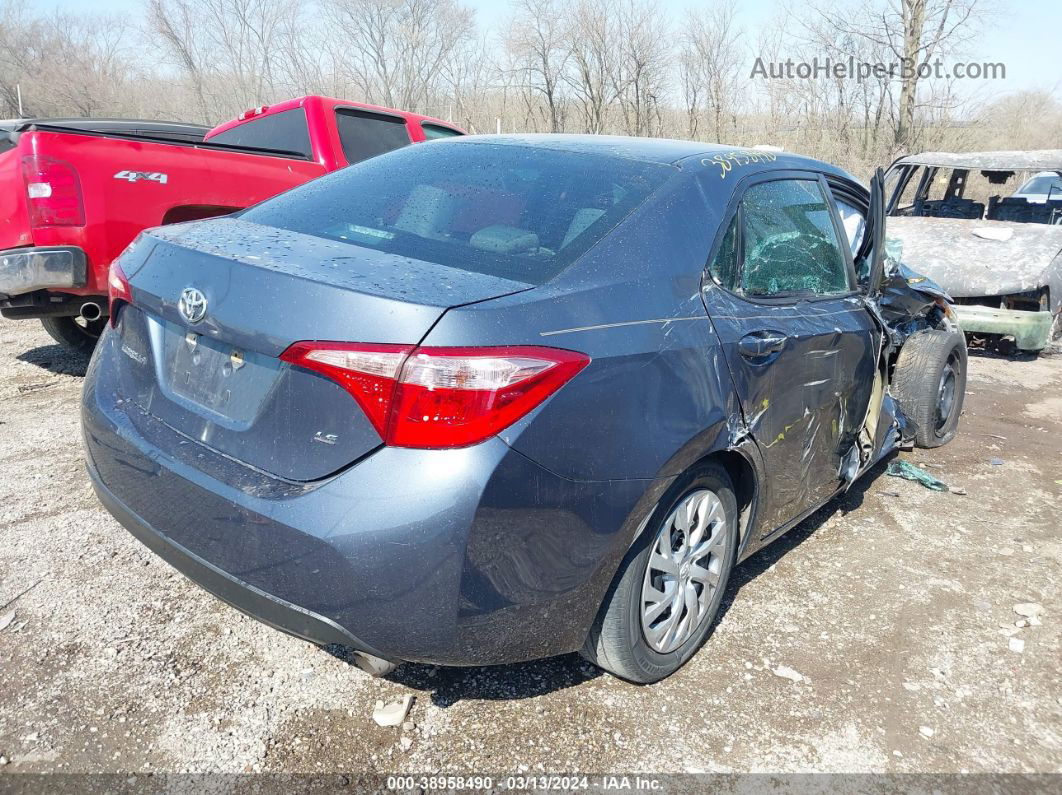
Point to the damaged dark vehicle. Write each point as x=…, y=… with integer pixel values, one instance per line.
x=987, y=227
x=500, y=398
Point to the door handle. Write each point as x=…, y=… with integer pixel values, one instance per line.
x=761, y=343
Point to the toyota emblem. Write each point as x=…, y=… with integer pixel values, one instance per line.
x=192, y=305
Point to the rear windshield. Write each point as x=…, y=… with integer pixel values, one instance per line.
x=285, y=130
x=511, y=211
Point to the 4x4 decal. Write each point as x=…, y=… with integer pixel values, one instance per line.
x=134, y=176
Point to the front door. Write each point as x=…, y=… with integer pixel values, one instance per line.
x=800, y=345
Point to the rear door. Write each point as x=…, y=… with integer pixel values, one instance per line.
x=800, y=346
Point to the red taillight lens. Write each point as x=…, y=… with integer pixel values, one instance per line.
x=53, y=191
x=441, y=397
x=118, y=290
x=368, y=372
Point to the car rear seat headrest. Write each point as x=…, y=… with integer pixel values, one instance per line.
x=504, y=240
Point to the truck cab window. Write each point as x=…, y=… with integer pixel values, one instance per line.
x=432, y=131
x=364, y=135
x=285, y=130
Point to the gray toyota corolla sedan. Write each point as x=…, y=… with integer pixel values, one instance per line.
x=498, y=398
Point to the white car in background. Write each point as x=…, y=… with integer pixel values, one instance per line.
x=1040, y=188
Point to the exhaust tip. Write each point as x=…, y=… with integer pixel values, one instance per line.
x=90, y=310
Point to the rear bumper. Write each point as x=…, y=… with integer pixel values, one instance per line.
x=472, y=556
x=1029, y=329
x=23, y=270
x=256, y=603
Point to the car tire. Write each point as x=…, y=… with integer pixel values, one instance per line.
x=929, y=382
x=619, y=638
x=75, y=333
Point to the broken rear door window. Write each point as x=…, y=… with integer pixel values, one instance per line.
x=790, y=243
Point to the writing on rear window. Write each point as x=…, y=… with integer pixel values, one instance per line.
x=136, y=176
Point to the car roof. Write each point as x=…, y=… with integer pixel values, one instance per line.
x=652, y=150
x=1006, y=160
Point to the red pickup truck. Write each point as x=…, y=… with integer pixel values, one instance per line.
x=75, y=193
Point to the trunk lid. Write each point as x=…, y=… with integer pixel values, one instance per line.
x=219, y=380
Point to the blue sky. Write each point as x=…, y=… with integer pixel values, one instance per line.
x=1024, y=35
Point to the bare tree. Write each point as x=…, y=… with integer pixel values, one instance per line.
x=539, y=53
x=590, y=65
x=710, y=56
x=64, y=63
x=641, y=71
x=397, y=50
x=593, y=53
x=914, y=32
x=230, y=50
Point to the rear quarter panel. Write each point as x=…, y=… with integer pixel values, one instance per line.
x=116, y=209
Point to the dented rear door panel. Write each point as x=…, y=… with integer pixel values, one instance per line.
x=803, y=404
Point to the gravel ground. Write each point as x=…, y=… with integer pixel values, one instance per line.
x=893, y=608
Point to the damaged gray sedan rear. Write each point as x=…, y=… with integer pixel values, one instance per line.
x=500, y=398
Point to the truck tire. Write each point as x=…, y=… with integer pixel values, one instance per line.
x=929, y=382
x=644, y=639
x=75, y=333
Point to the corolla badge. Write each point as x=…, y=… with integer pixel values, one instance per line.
x=192, y=305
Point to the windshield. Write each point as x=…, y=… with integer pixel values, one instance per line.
x=1044, y=185
x=512, y=211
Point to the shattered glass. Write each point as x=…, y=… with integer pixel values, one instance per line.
x=790, y=242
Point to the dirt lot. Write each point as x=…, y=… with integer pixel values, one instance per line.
x=896, y=606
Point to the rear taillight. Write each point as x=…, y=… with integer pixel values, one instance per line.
x=53, y=191
x=440, y=397
x=118, y=290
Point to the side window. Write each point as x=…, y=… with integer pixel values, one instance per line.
x=284, y=130
x=724, y=265
x=433, y=131
x=790, y=243
x=364, y=135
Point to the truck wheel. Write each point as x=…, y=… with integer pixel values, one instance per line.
x=75, y=333
x=929, y=382
x=665, y=596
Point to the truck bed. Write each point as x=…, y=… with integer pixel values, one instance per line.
x=133, y=180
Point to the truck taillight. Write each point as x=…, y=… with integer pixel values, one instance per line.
x=53, y=191
x=440, y=397
x=118, y=290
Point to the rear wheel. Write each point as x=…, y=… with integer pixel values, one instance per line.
x=929, y=382
x=666, y=594
x=75, y=333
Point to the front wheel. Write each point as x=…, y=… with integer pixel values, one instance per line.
x=75, y=333
x=666, y=594
x=929, y=382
